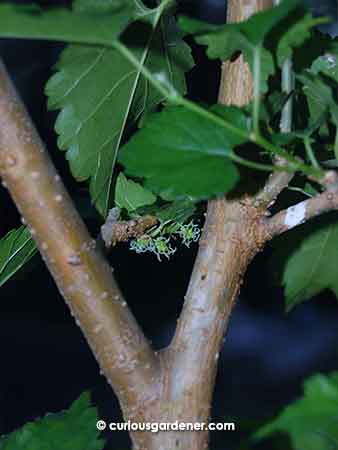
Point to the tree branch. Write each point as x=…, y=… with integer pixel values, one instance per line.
x=115, y=230
x=231, y=237
x=275, y=184
x=80, y=272
x=308, y=209
x=278, y=181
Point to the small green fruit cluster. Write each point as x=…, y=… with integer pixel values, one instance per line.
x=159, y=239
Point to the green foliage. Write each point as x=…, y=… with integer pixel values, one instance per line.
x=327, y=64
x=179, y=211
x=320, y=96
x=169, y=56
x=131, y=195
x=319, y=86
x=99, y=93
x=182, y=154
x=311, y=421
x=272, y=33
x=185, y=153
x=73, y=429
x=95, y=26
x=92, y=88
x=16, y=249
x=306, y=260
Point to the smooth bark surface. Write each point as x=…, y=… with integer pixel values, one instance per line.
x=83, y=277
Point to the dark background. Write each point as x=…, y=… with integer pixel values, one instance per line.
x=45, y=361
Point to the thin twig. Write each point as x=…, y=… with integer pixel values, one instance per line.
x=302, y=212
x=114, y=230
x=278, y=181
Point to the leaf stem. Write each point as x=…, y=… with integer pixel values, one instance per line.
x=292, y=161
x=310, y=153
x=167, y=90
x=287, y=88
x=336, y=144
x=259, y=166
x=256, y=89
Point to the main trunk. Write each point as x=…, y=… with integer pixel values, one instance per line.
x=231, y=238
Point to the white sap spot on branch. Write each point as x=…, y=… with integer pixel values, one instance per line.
x=104, y=295
x=295, y=215
x=74, y=260
x=58, y=198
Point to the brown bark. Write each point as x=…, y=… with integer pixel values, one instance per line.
x=232, y=235
x=177, y=385
x=82, y=276
x=236, y=82
x=302, y=212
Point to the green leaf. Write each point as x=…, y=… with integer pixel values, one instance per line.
x=296, y=34
x=179, y=211
x=169, y=56
x=180, y=153
x=275, y=31
x=327, y=64
x=319, y=85
x=223, y=41
x=74, y=429
x=320, y=96
x=103, y=6
x=93, y=26
x=93, y=89
x=311, y=421
x=131, y=195
x=306, y=260
x=97, y=90
x=16, y=249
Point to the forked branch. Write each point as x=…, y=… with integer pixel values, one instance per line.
x=179, y=384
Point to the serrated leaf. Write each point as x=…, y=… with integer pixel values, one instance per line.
x=319, y=92
x=97, y=90
x=131, y=195
x=320, y=96
x=180, y=153
x=261, y=31
x=311, y=421
x=327, y=64
x=16, y=249
x=73, y=429
x=93, y=89
x=296, y=34
x=169, y=56
x=306, y=260
x=95, y=26
x=223, y=41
